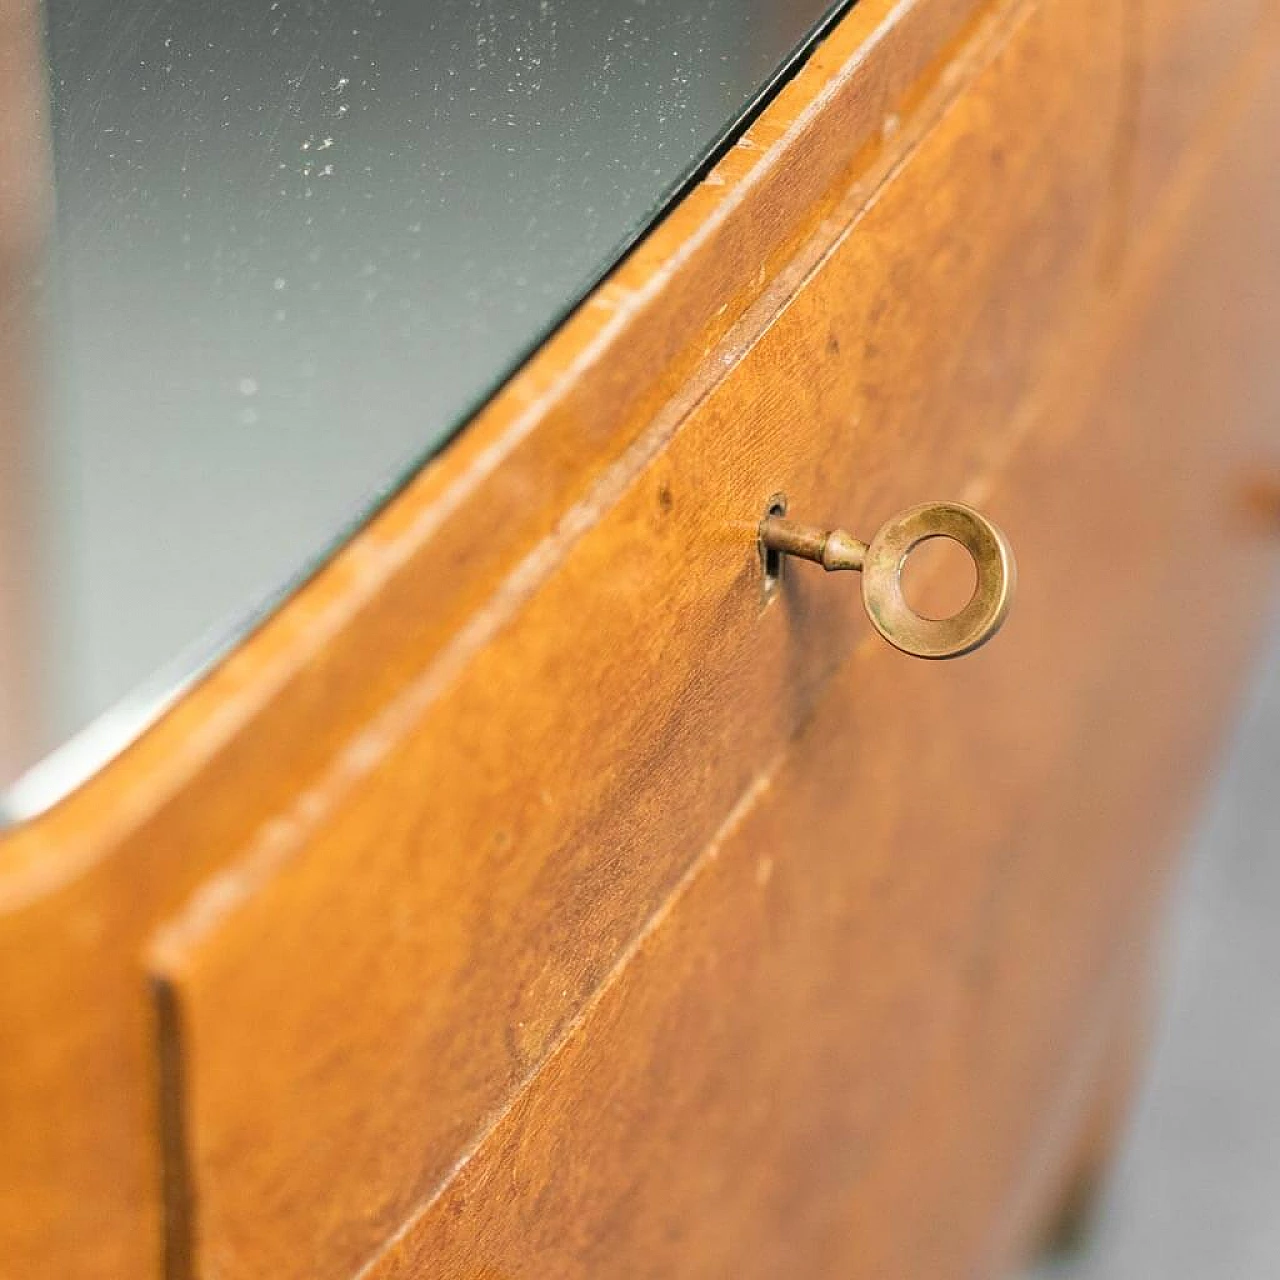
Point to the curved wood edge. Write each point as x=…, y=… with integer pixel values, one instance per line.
x=517, y=850
x=388, y=604
x=594, y=1059
x=406, y=603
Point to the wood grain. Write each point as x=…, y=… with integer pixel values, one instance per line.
x=81, y=888
x=862, y=1037
x=453, y=931
x=343, y=765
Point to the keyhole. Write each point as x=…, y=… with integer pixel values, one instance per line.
x=771, y=559
x=939, y=578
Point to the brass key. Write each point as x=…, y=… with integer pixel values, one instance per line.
x=881, y=562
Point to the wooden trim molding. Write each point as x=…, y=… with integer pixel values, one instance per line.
x=128, y=913
x=260, y=742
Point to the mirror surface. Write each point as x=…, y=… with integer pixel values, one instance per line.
x=260, y=260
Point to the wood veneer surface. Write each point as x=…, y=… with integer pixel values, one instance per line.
x=82, y=887
x=323, y=848
x=867, y=1032
x=581, y=760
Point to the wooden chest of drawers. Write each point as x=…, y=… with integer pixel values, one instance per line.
x=537, y=895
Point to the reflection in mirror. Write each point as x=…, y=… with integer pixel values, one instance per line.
x=259, y=260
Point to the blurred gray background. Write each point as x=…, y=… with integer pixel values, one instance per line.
x=1195, y=1192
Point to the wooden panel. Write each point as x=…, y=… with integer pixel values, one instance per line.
x=372, y=983
x=268, y=748
x=862, y=1036
x=1185, y=52
x=81, y=887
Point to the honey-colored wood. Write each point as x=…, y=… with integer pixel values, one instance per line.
x=1185, y=52
x=475, y=917
x=378, y=884
x=251, y=749
x=862, y=1037
x=1110, y=1098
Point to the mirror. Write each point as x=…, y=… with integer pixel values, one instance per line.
x=259, y=260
